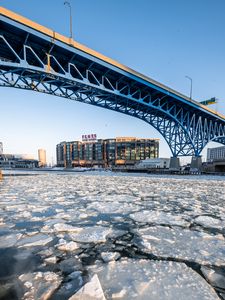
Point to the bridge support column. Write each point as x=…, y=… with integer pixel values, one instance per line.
x=174, y=163
x=196, y=164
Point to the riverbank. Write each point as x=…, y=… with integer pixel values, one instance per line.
x=128, y=170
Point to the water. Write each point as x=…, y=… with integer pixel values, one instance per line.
x=107, y=236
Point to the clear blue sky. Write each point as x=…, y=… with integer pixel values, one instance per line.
x=164, y=40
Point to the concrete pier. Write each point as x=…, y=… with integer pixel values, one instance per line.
x=196, y=164
x=174, y=164
x=1, y=176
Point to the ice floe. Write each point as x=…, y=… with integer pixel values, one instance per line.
x=182, y=244
x=90, y=291
x=39, y=285
x=95, y=234
x=36, y=240
x=156, y=280
x=9, y=240
x=209, y=222
x=110, y=256
x=61, y=227
x=71, y=246
x=76, y=226
x=158, y=217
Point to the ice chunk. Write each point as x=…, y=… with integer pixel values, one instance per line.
x=40, y=285
x=75, y=274
x=116, y=204
x=46, y=252
x=10, y=240
x=36, y=240
x=90, y=291
x=143, y=279
x=71, y=246
x=51, y=260
x=61, y=227
x=182, y=244
x=158, y=217
x=209, y=222
x=120, y=295
x=110, y=256
x=91, y=235
x=24, y=214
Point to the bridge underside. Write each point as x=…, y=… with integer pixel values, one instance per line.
x=33, y=61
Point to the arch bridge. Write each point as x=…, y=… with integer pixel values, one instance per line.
x=35, y=58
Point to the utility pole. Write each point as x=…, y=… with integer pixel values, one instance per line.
x=71, y=21
x=191, y=86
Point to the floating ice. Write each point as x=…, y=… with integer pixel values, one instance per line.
x=71, y=246
x=144, y=280
x=110, y=256
x=36, y=240
x=182, y=244
x=158, y=217
x=40, y=285
x=24, y=214
x=91, y=235
x=110, y=209
x=114, y=204
x=90, y=291
x=10, y=240
x=51, y=260
x=61, y=227
x=209, y=222
x=46, y=252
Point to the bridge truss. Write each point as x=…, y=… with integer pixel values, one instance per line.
x=32, y=60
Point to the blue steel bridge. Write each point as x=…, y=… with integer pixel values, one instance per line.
x=35, y=58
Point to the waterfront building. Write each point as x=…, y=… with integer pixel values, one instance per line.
x=42, y=157
x=216, y=154
x=215, y=160
x=12, y=161
x=154, y=163
x=106, y=152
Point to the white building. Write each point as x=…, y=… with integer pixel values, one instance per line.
x=154, y=163
x=42, y=157
x=216, y=154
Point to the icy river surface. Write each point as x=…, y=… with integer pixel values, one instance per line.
x=112, y=236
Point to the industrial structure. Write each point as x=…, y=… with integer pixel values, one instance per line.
x=35, y=58
x=120, y=151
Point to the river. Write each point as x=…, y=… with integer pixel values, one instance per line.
x=101, y=235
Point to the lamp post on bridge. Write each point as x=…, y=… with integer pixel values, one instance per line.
x=71, y=23
x=191, y=85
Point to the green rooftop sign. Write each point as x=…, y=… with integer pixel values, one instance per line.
x=209, y=101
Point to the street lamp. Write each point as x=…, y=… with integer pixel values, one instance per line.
x=71, y=25
x=191, y=85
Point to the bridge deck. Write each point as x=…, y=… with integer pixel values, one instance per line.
x=71, y=43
